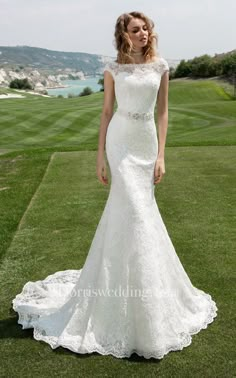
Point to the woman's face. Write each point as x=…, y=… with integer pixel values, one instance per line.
x=138, y=33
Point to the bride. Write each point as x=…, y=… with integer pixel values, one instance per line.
x=132, y=294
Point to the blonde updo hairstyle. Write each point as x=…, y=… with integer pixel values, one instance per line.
x=123, y=43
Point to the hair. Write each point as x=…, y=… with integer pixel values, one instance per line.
x=123, y=43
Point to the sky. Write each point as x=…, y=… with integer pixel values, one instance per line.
x=185, y=28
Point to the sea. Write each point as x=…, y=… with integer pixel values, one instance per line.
x=75, y=87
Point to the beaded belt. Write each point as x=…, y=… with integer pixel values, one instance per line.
x=137, y=116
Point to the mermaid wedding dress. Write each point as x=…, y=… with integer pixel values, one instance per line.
x=132, y=294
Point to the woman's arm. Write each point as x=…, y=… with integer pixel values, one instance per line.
x=162, y=115
x=107, y=112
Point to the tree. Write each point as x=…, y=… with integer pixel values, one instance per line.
x=101, y=82
x=183, y=69
x=20, y=84
x=229, y=64
x=202, y=66
x=205, y=66
x=86, y=91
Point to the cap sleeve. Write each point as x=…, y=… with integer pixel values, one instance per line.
x=108, y=67
x=165, y=66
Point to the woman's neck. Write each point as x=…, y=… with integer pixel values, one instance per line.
x=137, y=55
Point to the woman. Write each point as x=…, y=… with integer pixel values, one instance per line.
x=138, y=295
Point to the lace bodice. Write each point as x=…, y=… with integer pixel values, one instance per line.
x=136, y=85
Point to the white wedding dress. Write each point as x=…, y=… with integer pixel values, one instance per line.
x=132, y=294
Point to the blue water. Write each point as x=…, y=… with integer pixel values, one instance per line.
x=76, y=86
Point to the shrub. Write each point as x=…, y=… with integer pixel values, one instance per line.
x=101, y=82
x=86, y=91
x=20, y=84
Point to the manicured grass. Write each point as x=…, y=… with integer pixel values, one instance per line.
x=51, y=202
x=200, y=113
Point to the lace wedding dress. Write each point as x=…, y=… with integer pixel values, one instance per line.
x=132, y=294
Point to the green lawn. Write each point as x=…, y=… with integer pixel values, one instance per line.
x=51, y=202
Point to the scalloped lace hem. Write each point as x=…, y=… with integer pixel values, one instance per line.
x=30, y=321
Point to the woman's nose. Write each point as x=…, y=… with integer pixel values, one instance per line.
x=143, y=33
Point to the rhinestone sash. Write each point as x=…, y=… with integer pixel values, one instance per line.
x=136, y=116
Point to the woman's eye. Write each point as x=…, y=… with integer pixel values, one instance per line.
x=135, y=31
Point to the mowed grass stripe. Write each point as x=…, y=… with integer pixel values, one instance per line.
x=79, y=124
x=50, y=127
x=26, y=124
x=58, y=129
x=8, y=127
x=195, y=91
x=85, y=132
x=59, y=223
x=49, y=104
x=53, y=127
x=196, y=125
x=197, y=113
x=19, y=131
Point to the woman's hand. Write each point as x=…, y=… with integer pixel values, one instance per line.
x=159, y=170
x=102, y=171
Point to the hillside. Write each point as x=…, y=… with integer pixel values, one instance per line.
x=50, y=60
x=47, y=68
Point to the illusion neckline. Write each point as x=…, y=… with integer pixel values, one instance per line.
x=138, y=64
